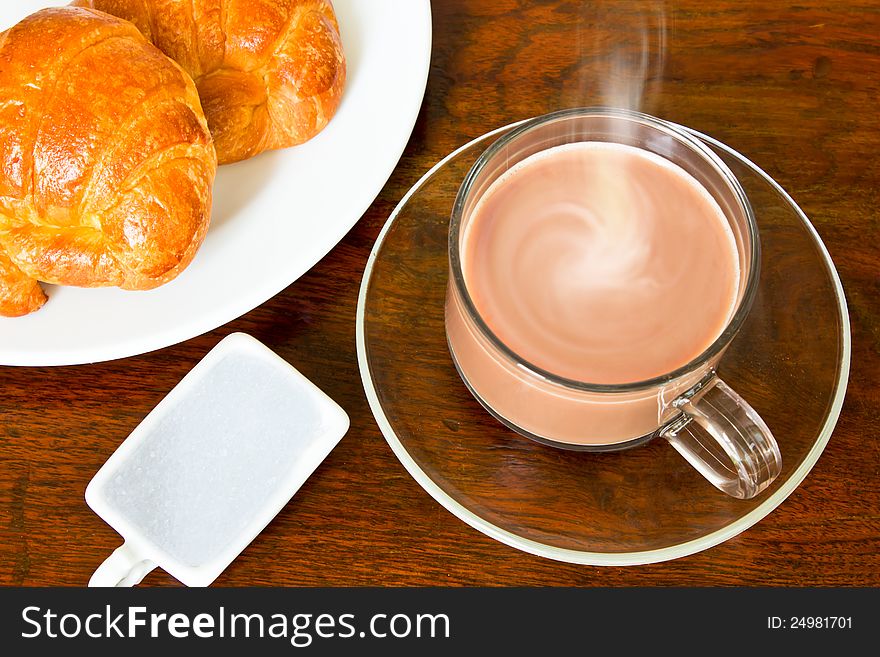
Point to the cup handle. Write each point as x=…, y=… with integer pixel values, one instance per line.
x=124, y=567
x=724, y=439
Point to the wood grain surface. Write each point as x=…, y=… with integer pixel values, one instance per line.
x=794, y=87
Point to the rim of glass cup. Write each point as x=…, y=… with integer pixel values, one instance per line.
x=674, y=131
x=584, y=557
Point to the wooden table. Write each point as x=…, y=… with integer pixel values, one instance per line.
x=795, y=88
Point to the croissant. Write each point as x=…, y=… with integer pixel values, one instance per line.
x=270, y=73
x=106, y=161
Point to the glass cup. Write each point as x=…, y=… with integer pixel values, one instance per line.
x=704, y=419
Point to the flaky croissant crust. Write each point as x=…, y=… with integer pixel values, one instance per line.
x=106, y=162
x=270, y=73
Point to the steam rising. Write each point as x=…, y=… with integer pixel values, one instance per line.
x=618, y=66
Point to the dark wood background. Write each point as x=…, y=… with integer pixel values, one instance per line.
x=794, y=87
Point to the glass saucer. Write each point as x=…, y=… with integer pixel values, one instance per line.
x=643, y=505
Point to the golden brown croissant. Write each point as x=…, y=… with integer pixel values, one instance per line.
x=106, y=162
x=270, y=72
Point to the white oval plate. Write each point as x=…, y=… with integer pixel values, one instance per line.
x=274, y=216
